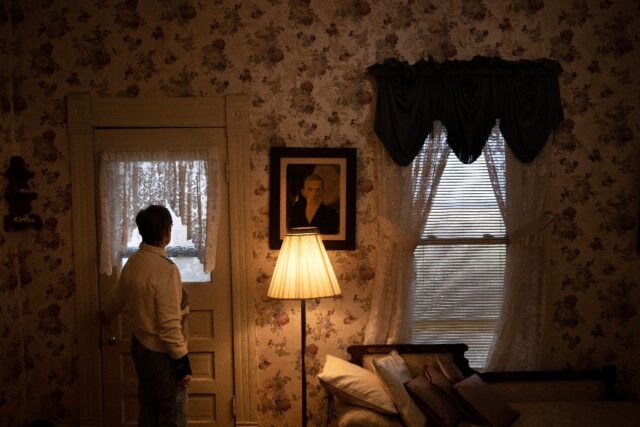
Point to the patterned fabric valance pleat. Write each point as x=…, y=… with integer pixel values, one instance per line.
x=467, y=97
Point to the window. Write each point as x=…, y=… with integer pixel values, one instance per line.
x=460, y=262
x=186, y=181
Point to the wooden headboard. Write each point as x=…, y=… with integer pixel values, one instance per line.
x=358, y=352
x=602, y=379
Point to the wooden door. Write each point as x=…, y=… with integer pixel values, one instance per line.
x=210, y=337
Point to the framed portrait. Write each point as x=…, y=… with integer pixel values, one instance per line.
x=313, y=187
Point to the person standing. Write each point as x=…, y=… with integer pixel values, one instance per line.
x=150, y=293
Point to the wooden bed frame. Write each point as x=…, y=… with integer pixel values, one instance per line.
x=358, y=352
x=606, y=375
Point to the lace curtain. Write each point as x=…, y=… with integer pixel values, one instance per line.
x=186, y=181
x=405, y=201
x=520, y=189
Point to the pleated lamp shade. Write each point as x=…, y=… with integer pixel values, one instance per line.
x=303, y=269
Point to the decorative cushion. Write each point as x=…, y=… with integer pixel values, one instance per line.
x=440, y=411
x=395, y=373
x=449, y=368
x=444, y=387
x=355, y=385
x=485, y=403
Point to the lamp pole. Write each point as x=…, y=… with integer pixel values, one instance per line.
x=303, y=352
x=303, y=271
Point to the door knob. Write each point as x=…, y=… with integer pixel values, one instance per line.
x=111, y=340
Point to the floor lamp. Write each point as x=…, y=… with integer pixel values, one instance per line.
x=303, y=271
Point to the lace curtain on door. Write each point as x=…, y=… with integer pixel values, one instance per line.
x=186, y=181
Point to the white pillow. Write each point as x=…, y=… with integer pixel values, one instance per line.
x=395, y=373
x=355, y=385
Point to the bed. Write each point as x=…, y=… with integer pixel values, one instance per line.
x=519, y=399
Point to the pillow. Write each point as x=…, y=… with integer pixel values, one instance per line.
x=449, y=368
x=395, y=373
x=355, y=385
x=440, y=411
x=485, y=402
x=444, y=387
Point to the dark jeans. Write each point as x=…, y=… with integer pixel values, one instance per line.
x=157, y=387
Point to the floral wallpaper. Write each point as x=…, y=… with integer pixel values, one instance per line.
x=303, y=64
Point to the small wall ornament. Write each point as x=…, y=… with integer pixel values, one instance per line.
x=19, y=198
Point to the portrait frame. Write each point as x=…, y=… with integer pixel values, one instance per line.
x=289, y=166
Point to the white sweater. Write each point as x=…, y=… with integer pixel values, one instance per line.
x=149, y=291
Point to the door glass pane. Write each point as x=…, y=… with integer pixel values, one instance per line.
x=180, y=250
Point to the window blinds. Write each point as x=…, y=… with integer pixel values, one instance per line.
x=460, y=262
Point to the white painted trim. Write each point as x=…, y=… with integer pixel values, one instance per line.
x=86, y=113
x=158, y=112
x=85, y=258
x=239, y=207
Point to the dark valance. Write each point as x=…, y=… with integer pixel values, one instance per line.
x=467, y=97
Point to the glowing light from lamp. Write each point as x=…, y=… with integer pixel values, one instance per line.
x=303, y=269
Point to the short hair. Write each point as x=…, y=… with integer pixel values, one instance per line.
x=152, y=223
x=314, y=177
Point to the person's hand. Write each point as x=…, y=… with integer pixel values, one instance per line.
x=184, y=382
x=183, y=371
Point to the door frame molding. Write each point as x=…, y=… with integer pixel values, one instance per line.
x=84, y=114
